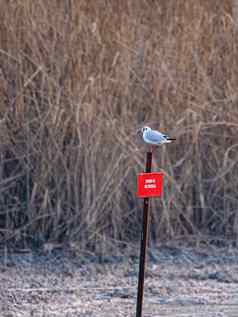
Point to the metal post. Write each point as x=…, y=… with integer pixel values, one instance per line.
x=143, y=247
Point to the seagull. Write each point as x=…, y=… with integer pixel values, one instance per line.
x=155, y=137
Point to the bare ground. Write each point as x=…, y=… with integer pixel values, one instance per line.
x=179, y=282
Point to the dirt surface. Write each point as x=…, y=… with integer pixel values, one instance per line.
x=179, y=282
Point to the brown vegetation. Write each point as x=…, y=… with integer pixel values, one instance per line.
x=77, y=78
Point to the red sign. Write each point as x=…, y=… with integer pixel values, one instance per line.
x=149, y=185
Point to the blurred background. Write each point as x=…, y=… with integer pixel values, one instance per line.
x=77, y=79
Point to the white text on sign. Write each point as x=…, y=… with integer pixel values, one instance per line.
x=150, y=183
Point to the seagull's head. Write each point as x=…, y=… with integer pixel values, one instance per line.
x=145, y=129
x=142, y=130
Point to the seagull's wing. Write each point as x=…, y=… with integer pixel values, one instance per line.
x=155, y=136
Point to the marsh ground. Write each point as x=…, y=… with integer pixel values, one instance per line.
x=179, y=282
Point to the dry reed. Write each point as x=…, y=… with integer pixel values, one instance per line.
x=77, y=78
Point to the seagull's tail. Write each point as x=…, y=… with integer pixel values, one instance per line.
x=166, y=141
x=171, y=139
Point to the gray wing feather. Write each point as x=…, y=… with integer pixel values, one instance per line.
x=155, y=136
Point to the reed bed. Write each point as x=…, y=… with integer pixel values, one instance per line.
x=77, y=78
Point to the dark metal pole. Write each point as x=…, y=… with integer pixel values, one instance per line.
x=143, y=247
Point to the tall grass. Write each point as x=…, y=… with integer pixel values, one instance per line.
x=77, y=78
